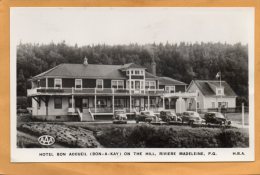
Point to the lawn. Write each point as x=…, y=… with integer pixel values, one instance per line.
x=237, y=118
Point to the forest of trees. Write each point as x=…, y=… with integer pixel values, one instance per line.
x=184, y=61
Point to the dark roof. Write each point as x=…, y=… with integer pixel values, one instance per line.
x=170, y=81
x=207, y=87
x=131, y=65
x=81, y=70
x=90, y=71
x=149, y=75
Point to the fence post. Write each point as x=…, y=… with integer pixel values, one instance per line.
x=243, y=115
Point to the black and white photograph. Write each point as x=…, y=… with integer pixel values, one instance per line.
x=132, y=84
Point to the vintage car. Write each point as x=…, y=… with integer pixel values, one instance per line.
x=216, y=118
x=192, y=117
x=168, y=116
x=119, y=117
x=146, y=116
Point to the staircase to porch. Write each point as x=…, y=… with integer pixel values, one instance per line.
x=86, y=115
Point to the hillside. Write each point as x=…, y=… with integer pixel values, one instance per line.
x=183, y=61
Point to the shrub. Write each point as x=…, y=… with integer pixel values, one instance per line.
x=146, y=136
x=230, y=138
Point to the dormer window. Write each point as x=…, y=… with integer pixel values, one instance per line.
x=136, y=72
x=219, y=91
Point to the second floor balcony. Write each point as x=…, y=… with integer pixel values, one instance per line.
x=92, y=91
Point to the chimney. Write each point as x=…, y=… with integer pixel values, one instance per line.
x=85, y=61
x=153, y=68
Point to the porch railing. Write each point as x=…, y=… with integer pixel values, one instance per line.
x=126, y=109
x=107, y=91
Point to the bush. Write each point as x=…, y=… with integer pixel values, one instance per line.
x=230, y=138
x=146, y=136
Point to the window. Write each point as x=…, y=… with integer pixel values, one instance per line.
x=132, y=84
x=99, y=84
x=198, y=105
x=127, y=72
x=78, y=83
x=137, y=84
x=170, y=89
x=57, y=83
x=57, y=102
x=135, y=72
x=223, y=104
x=142, y=84
x=114, y=84
x=70, y=102
x=120, y=84
x=85, y=103
x=117, y=84
x=150, y=85
x=127, y=84
x=219, y=91
x=147, y=85
x=118, y=102
x=213, y=104
x=102, y=102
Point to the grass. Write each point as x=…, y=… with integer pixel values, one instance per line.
x=237, y=118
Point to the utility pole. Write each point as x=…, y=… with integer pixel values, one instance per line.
x=243, y=115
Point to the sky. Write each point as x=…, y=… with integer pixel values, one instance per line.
x=95, y=25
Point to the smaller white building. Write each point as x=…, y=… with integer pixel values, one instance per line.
x=211, y=95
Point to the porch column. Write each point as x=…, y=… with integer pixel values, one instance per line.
x=196, y=104
x=46, y=83
x=72, y=98
x=148, y=102
x=180, y=103
x=113, y=100
x=130, y=89
x=130, y=102
x=46, y=104
x=95, y=101
x=163, y=103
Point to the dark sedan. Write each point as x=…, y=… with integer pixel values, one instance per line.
x=216, y=118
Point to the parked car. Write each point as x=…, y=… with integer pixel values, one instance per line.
x=192, y=117
x=216, y=118
x=119, y=117
x=167, y=116
x=146, y=116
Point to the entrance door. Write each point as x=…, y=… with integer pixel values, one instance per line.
x=78, y=103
